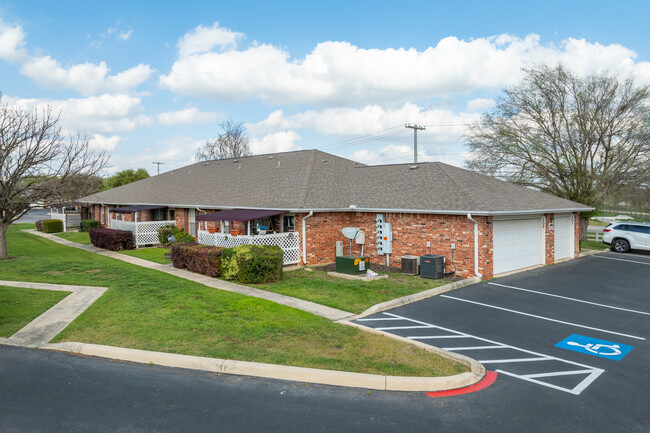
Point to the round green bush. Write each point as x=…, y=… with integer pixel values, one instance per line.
x=252, y=263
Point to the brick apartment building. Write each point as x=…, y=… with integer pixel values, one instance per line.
x=494, y=226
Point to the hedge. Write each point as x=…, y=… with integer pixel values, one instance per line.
x=252, y=263
x=202, y=259
x=39, y=225
x=86, y=225
x=180, y=236
x=52, y=226
x=111, y=239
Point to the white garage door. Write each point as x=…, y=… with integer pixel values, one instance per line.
x=517, y=244
x=564, y=236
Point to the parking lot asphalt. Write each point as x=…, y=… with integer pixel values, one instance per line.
x=569, y=342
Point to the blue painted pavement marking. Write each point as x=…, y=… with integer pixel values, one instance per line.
x=595, y=347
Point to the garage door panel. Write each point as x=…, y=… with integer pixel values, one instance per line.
x=564, y=235
x=517, y=244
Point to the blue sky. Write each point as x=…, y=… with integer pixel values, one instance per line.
x=151, y=81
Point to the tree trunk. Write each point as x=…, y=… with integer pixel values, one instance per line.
x=3, y=241
x=584, y=223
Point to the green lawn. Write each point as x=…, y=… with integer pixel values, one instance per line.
x=348, y=295
x=151, y=310
x=592, y=245
x=597, y=223
x=151, y=254
x=19, y=306
x=78, y=237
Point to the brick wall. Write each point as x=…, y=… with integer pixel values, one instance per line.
x=549, y=237
x=410, y=235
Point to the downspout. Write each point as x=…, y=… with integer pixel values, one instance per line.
x=304, y=237
x=476, y=272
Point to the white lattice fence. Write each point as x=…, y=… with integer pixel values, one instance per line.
x=145, y=232
x=289, y=242
x=69, y=219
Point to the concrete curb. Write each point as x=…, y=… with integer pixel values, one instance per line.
x=256, y=369
x=591, y=252
x=378, y=308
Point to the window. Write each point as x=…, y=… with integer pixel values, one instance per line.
x=172, y=214
x=288, y=223
x=158, y=215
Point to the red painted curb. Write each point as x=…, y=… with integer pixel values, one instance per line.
x=490, y=377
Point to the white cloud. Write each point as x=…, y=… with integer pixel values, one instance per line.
x=125, y=36
x=281, y=141
x=102, y=142
x=203, y=39
x=12, y=42
x=190, y=115
x=479, y=104
x=341, y=73
x=86, y=78
x=341, y=122
x=104, y=114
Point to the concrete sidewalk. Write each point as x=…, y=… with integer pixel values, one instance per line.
x=46, y=326
x=310, y=307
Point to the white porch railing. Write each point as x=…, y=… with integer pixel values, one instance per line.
x=145, y=232
x=289, y=242
x=72, y=219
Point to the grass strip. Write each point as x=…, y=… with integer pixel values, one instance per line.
x=152, y=254
x=348, y=295
x=78, y=237
x=19, y=306
x=150, y=310
x=592, y=245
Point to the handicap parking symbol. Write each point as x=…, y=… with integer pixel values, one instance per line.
x=595, y=347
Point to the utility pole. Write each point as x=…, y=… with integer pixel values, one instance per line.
x=415, y=128
x=158, y=164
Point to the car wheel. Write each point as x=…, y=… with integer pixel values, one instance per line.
x=621, y=246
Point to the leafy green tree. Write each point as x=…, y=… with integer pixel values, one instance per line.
x=580, y=138
x=125, y=177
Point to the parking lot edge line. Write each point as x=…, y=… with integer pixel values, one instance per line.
x=539, y=382
x=543, y=318
x=570, y=299
x=622, y=260
x=557, y=373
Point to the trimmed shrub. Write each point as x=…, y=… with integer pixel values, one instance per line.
x=52, y=226
x=202, y=259
x=39, y=225
x=111, y=239
x=86, y=225
x=164, y=232
x=180, y=236
x=252, y=263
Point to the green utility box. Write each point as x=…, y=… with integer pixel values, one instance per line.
x=352, y=265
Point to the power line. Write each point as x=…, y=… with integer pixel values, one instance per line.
x=158, y=164
x=415, y=129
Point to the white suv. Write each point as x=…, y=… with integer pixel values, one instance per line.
x=626, y=236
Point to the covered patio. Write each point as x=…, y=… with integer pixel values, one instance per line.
x=289, y=242
x=144, y=232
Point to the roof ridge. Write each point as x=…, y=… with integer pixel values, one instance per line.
x=467, y=195
x=307, y=180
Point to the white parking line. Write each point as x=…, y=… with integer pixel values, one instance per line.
x=571, y=299
x=542, y=317
x=592, y=372
x=600, y=256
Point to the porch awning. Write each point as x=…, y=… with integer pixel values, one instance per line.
x=240, y=215
x=131, y=209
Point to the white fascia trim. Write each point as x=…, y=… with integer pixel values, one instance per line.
x=358, y=209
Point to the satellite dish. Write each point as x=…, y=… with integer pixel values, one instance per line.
x=350, y=232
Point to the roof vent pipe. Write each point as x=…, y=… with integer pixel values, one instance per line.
x=304, y=237
x=476, y=272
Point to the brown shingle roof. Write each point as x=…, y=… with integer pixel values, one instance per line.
x=312, y=179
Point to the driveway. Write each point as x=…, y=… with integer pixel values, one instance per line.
x=568, y=341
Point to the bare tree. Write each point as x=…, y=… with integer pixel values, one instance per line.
x=38, y=163
x=232, y=143
x=580, y=138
